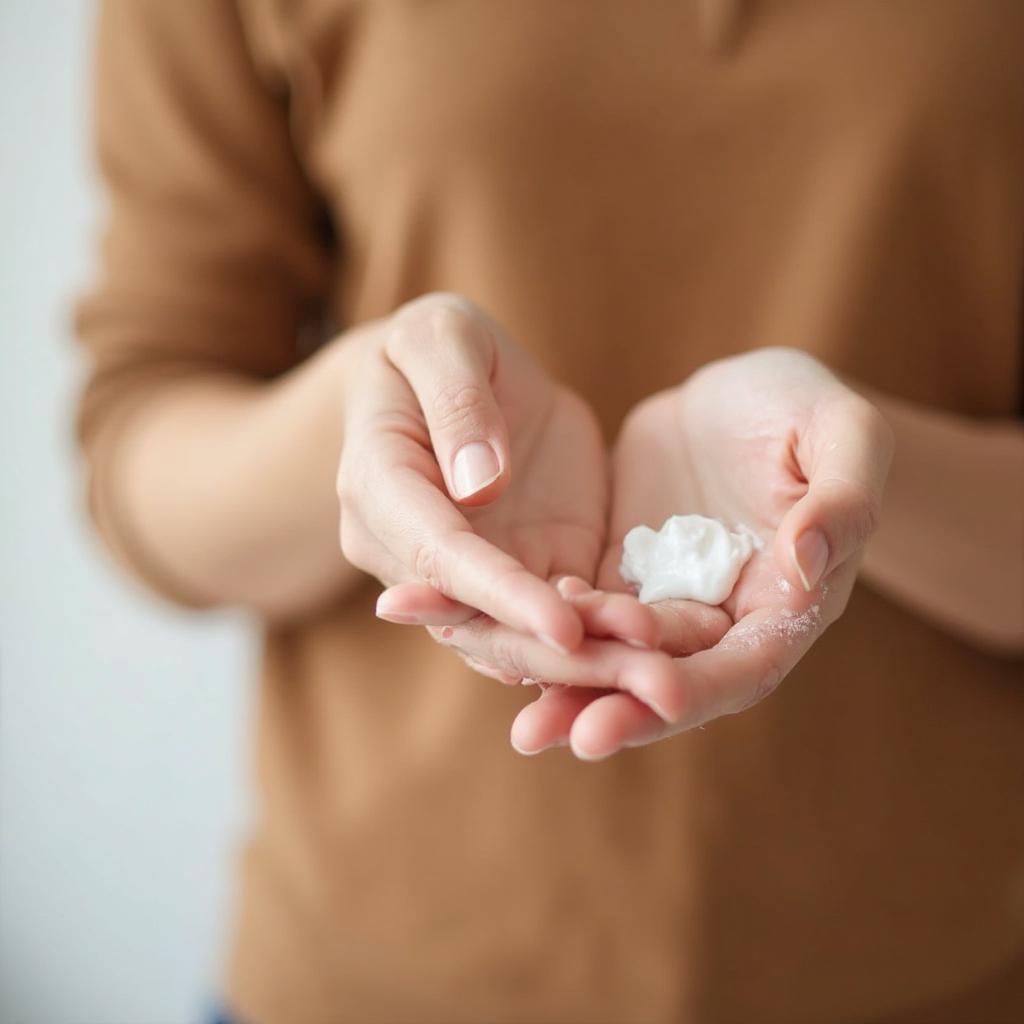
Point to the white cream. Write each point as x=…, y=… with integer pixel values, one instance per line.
x=690, y=557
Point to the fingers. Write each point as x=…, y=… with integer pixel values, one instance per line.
x=676, y=627
x=845, y=455
x=686, y=627
x=419, y=604
x=594, y=723
x=398, y=524
x=617, y=616
x=447, y=352
x=604, y=664
x=613, y=721
x=620, y=616
x=546, y=722
x=419, y=528
x=682, y=627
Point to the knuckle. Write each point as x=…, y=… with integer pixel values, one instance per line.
x=405, y=333
x=767, y=684
x=866, y=511
x=427, y=319
x=859, y=508
x=441, y=300
x=509, y=658
x=439, y=330
x=457, y=404
x=428, y=566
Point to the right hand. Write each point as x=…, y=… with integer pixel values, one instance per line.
x=445, y=415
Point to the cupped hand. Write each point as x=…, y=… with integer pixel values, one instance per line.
x=446, y=415
x=770, y=441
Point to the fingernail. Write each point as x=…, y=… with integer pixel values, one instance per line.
x=810, y=555
x=401, y=618
x=475, y=466
x=571, y=586
x=551, y=642
x=525, y=753
x=553, y=745
x=639, y=644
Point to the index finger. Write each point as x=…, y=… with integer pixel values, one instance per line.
x=425, y=532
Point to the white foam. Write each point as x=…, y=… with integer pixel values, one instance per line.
x=690, y=558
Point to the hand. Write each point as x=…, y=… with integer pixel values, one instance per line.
x=445, y=415
x=769, y=440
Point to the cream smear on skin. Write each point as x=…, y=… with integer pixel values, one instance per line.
x=690, y=558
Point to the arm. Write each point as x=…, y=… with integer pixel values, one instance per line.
x=231, y=483
x=951, y=538
x=211, y=451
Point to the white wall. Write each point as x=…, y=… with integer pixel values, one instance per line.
x=121, y=721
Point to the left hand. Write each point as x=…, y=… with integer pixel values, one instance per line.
x=769, y=440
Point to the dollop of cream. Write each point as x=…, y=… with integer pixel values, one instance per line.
x=690, y=557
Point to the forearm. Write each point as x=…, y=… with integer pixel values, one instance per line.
x=951, y=539
x=226, y=487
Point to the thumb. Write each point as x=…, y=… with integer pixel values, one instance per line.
x=845, y=455
x=447, y=352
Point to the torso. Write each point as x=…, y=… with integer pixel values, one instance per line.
x=633, y=191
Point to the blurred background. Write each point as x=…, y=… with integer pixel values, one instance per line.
x=122, y=773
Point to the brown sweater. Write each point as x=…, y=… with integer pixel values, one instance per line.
x=633, y=187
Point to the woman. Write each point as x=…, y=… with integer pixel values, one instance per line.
x=545, y=229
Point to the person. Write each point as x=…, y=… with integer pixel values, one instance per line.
x=435, y=259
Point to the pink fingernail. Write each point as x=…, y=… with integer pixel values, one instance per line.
x=475, y=466
x=400, y=618
x=810, y=555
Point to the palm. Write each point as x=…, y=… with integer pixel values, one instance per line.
x=728, y=444
x=552, y=515
x=769, y=441
x=724, y=445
